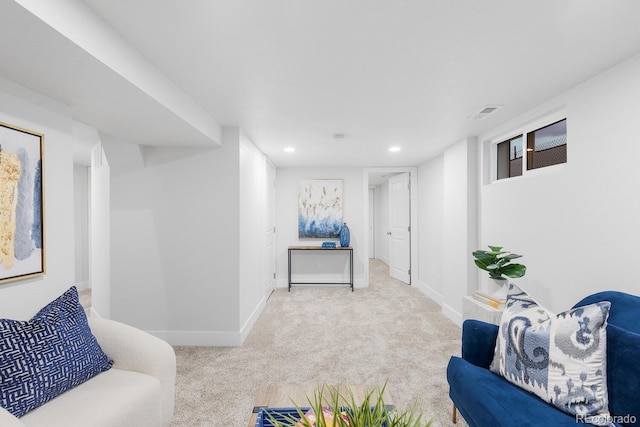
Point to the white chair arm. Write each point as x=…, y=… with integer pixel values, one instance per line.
x=132, y=349
x=8, y=420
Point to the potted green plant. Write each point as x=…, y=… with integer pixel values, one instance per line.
x=329, y=407
x=497, y=262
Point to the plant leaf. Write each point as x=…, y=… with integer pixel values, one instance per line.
x=514, y=270
x=483, y=256
x=481, y=265
x=511, y=256
x=373, y=411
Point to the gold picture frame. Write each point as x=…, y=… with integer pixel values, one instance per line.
x=22, y=225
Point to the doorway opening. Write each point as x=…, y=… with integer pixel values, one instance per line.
x=391, y=219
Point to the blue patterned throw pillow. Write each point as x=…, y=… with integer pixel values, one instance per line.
x=47, y=355
x=560, y=358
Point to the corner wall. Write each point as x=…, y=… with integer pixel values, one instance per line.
x=431, y=235
x=253, y=222
x=448, y=226
x=99, y=244
x=174, y=244
x=459, y=231
x=185, y=230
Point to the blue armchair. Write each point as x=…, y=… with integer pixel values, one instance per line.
x=485, y=399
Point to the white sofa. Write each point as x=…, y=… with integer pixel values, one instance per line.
x=138, y=391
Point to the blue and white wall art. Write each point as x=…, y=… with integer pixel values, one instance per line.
x=319, y=208
x=21, y=204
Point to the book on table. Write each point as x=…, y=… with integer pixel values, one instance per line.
x=488, y=299
x=491, y=296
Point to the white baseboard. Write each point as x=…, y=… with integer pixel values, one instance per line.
x=452, y=315
x=212, y=338
x=449, y=312
x=200, y=338
x=383, y=258
x=251, y=321
x=429, y=291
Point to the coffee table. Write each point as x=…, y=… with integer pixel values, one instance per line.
x=283, y=396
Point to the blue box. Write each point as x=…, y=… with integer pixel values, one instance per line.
x=285, y=414
x=279, y=414
x=329, y=245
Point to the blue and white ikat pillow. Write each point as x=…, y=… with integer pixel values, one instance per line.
x=560, y=358
x=47, y=355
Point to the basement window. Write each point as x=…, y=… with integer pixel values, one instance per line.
x=510, y=158
x=545, y=146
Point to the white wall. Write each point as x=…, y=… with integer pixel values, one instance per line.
x=91, y=179
x=431, y=233
x=184, y=240
x=81, y=222
x=354, y=209
x=576, y=224
x=100, y=241
x=449, y=226
x=382, y=222
x=26, y=109
x=253, y=220
x=174, y=246
x=459, y=225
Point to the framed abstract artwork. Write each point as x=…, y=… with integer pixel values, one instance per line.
x=319, y=208
x=22, y=253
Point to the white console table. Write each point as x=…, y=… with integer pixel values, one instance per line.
x=474, y=309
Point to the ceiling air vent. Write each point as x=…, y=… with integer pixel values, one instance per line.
x=486, y=111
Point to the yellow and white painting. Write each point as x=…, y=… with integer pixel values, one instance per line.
x=21, y=213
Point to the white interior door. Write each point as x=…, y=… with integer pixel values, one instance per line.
x=400, y=228
x=270, y=229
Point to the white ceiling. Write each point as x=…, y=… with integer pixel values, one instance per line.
x=408, y=73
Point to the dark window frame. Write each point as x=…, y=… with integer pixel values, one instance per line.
x=555, y=155
x=509, y=161
x=503, y=163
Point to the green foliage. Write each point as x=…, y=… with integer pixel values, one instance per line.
x=346, y=412
x=498, y=263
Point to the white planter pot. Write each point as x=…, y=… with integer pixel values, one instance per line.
x=497, y=288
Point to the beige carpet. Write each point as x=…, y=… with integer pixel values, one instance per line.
x=389, y=331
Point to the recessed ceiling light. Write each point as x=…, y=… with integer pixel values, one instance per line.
x=289, y=149
x=394, y=149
